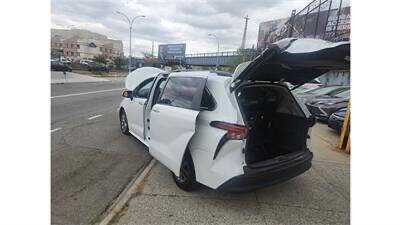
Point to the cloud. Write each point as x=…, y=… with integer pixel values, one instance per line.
x=180, y=21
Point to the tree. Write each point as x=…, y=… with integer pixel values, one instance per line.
x=119, y=62
x=100, y=59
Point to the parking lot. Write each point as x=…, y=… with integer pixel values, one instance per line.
x=320, y=196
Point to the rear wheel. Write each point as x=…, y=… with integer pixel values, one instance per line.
x=123, y=122
x=187, y=177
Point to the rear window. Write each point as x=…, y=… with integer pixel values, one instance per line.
x=183, y=92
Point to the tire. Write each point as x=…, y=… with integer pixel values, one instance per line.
x=187, y=179
x=123, y=122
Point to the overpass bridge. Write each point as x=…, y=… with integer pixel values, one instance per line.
x=210, y=59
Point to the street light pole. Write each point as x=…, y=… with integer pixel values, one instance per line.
x=130, y=21
x=216, y=38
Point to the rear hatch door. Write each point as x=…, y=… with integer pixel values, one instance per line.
x=296, y=61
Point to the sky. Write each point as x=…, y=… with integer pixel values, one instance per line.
x=171, y=22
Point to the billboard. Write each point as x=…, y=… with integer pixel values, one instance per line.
x=331, y=24
x=171, y=52
x=267, y=29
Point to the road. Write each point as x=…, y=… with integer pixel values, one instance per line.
x=91, y=161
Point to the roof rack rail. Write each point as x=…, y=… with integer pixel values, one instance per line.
x=218, y=72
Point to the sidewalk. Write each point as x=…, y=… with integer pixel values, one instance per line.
x=319, y=196
x=59, y=77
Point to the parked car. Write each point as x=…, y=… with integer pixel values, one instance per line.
x=323, y=107
x=336, y=119
x=302, y=89
x=320, y=92
x=313, y=84
x=65, y=61
x=85, y=61
x=59, y=66
x=98, y=67
x=230, y=132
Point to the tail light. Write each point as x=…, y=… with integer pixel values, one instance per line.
x=235, y=131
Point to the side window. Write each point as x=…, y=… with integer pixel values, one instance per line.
x=207, y=101
x=158, y=90
x=183, y=92
x=143, y=90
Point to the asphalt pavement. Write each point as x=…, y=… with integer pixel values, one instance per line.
x=91, y=161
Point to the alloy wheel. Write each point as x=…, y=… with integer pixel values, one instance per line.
x=124, y=124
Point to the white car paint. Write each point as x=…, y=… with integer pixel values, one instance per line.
x=171, y=129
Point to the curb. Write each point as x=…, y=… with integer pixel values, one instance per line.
x=124, y=197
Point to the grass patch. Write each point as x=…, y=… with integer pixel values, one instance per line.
x=96, y=220
x=98, y=73
x=119, y=214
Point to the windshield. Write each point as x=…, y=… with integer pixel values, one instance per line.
x=337, y=91
x=321, y=91
x=300, y=90
x=344, y=94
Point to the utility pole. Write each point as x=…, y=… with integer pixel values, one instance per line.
x=291, y=23
x=216, y=38
x=244, y=33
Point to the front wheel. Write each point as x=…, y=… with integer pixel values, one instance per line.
x=123, y=123
x=187, y=177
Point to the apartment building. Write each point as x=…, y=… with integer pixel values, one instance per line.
x=79, y=44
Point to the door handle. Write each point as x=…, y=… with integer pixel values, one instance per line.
x=155, y=110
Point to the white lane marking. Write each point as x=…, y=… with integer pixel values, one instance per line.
x=94, y=117
x=86, y=93
x=56, y=129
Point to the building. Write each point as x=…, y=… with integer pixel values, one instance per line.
x=79, y=44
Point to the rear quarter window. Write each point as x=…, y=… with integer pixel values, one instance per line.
x=207, y=101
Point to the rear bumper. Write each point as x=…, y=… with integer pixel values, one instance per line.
x=255, y=178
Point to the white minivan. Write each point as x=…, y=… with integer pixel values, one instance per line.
x=231, y=132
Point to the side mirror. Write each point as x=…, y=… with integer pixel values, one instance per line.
x=127, y=94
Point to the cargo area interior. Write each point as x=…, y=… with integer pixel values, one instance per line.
x=277, y=125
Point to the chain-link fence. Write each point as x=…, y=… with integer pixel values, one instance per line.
x=323, y=19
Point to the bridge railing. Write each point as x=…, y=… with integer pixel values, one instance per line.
x=226, y=53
